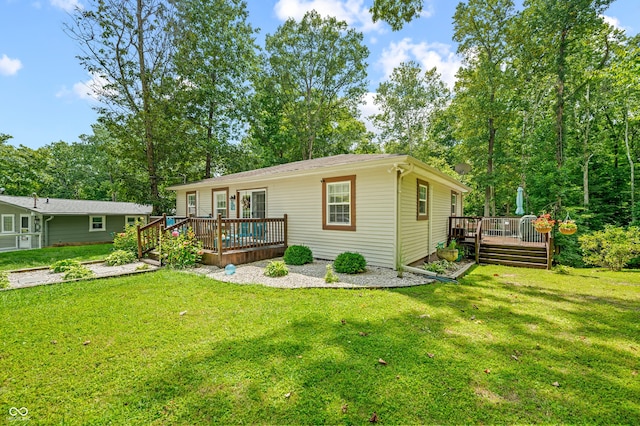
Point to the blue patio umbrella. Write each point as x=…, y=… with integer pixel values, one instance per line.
x=520, y=201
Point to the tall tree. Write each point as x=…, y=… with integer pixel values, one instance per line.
x=127, y=45
x=318, y=68
x=215, y=61
x=409, y=102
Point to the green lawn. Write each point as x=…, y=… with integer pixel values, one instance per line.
x=22, y=259
x=488, y=351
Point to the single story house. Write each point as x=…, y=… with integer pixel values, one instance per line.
x=392, y=209
x=32, y=222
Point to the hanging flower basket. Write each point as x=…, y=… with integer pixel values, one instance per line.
x=568, y=227
x=544, y=223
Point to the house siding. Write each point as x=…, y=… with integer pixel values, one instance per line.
x=75, y=229
x=7, y=242
x=441, y=210
x=414, y=233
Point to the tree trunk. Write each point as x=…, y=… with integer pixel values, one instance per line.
x=489, y=194
x=146, y=112
x=560, y=83
x=631, y=163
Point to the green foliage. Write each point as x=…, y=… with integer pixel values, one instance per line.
x=298, y=255
x=64, y=265
x=180, y=251
x=570, y=253
x=127, y=240
x=276, y=268
x=350, y=263
x=77, y=272
x=120, y=257
x=4, y=279
x=23, y=259
x=440, y=266
x=330, y=276
x=613, y=248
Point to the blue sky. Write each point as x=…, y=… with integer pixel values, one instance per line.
x=43, y=88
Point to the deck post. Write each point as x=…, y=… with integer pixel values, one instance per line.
x=139, y=242
x=219, y=239
x=285, y=231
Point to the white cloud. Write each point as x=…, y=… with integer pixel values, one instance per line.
x=428, y=55
x=66, y=5
x=89, y=90
x=353, y=12
x=9, y=66
x=613, y=21
x=367, y=109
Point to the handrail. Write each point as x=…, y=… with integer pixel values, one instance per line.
x=149, y=235
x=478, y=240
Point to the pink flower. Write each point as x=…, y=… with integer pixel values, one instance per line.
x=175, y=233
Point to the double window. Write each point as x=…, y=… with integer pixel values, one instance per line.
x=134, y=220
x=339, y=203
x=252, y=204
x=423, y=200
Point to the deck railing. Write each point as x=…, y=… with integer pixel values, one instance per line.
x=515, y=230
x=218, y=234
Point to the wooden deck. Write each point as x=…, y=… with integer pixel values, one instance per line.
x=224, y=241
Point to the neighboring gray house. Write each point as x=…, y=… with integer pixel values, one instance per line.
x=32, y=222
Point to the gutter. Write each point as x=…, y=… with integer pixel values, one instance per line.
x=400, y=173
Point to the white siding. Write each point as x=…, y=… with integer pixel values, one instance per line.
x=414, y=233
x=440, y=212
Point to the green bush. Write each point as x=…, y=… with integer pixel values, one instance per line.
x=298, y=255
x=64, y=265
x=78, y=272
x=276, y=268
x=612, y=248
x=330, y=276
x=4, y=279
x=350, y=263
x=180, y=250
x=127, y=240
x=120, y=257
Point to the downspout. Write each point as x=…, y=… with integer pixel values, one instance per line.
x=400, y=173
x=46, y=231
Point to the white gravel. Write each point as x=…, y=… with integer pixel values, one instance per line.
x=312, y=275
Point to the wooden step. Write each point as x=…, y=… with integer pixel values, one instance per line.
x=514, y=258
x=511, y=263
x=521, y=256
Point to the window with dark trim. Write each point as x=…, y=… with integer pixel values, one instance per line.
x=422, y=200
x=454, y=203
x=192, y=200
x=220, y=201
x=339, y=203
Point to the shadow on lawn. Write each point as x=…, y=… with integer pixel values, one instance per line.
x=476, y=356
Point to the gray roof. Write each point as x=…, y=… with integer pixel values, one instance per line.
x=316, y=163
x=58, y=206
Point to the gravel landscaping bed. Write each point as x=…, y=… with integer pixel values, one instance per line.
x=312, y=275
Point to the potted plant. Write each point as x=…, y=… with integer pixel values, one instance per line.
x=568, y=227
x=544, y=223
x=449, y=253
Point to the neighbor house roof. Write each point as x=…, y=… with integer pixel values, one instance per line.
x=58, y=206
x=299, y=167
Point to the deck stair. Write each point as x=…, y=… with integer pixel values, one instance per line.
x=513, y=255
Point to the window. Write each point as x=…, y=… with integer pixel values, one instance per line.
x=220, y=203
x=8, y=226
x=339, y=203
x=192, y=209
x=133, y=220
x=97, y=223
x=454, y=203
x=423, y=200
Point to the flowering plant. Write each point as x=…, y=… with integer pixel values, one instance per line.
x=182, y=250
x=568, y=225
x=544, y=221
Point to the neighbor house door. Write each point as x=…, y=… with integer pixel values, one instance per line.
x=25, y=228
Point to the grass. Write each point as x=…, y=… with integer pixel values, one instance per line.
x=174, y=348
x=23, y=259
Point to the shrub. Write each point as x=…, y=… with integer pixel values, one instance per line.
x=181, y=250
x=78, y=272
x=439, y=267
x=4, y=279
x=120, y=257
x=276, y=268
x=330, y=276
x=127, y=240
x=350, y=263
x=298, y=255
x=64, y=265
x=612, y=248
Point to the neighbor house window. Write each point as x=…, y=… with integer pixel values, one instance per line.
x=339, y=203
x=133, y=220
x=220, y=203
x=192, y=210
x=422, y=200
x=8, y=225
x=97, y=223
